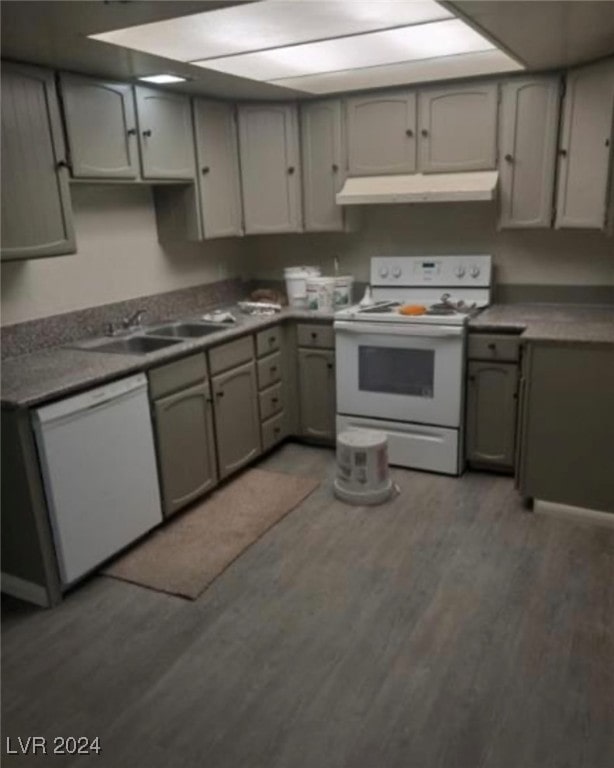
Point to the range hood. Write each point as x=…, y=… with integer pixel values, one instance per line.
x=419, y=188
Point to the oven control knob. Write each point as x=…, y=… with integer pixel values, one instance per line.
x=383, y=271
x=396, y=272
x=475, y=271
x=460, y=271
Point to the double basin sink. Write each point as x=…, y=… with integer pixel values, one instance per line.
x=154, y=339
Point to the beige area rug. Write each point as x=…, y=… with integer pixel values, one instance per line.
x=188, y=553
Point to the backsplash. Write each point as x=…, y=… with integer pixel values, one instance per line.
x=34, y=335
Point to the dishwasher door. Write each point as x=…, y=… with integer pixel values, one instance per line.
x=99, y=472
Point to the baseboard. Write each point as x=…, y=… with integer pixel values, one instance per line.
x=579, y=514
x=24, y=590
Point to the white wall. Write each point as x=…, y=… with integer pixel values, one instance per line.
x=543, y=257
x=118, y=258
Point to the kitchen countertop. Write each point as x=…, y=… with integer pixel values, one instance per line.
x=29, y=380
x=555, y=323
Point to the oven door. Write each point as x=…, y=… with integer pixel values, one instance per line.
x=410, y=373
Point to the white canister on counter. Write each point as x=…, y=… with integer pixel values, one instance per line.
x=321, y=294
x=343, y=291
x=296, y=284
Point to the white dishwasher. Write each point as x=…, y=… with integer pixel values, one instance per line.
x=99, y=470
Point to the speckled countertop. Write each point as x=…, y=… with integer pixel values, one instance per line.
x=556, y=323
x=29, y=380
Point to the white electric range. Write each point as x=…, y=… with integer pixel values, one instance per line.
x=404, y=374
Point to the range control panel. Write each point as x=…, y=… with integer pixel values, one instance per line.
x=436, y=271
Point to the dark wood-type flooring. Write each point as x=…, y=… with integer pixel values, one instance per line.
x=447, y=628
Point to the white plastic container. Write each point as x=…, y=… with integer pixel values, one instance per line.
x=343, y=291
x=321, y=294
x=296, y=284
x=362, y=467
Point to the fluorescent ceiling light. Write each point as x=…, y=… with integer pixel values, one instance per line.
x=163, y=79
x=271, y=24
x=425, y=41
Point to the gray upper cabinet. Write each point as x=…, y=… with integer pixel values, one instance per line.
x=186, y=447
x=217, y=154
x=381, y=132
x=491, y=413
x=458, y=128
x=528, y=126
x=101, y=128
x=270, y=174
x=36, y=210
x=235, y=398
x=323, y=164
x=166, y=136
x=585, y=147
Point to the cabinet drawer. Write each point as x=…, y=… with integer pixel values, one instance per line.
x=268, y=341
x=231, y=354
x=321, y=336
x=269, y=370
x=273, y=430
x=493, y=347
x=177, y=375
x=271, y=401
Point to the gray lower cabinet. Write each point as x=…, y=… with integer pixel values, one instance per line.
x=186, y=446
x=100, y=124
x=36, y=209
x=317, y=402
x=237, y=425
x=491, y=413
x=566, y=446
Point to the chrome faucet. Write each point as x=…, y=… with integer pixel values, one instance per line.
x=129, y=323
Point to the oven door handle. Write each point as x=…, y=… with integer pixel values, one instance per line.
x=398, y=329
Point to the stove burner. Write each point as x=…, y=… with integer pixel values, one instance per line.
x=441, y=309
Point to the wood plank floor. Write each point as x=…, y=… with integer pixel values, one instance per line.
x=447, y=628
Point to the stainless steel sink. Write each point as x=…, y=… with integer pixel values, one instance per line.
x=134, y=345
x=183, y=330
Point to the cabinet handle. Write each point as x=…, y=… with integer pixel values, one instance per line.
x=314, y=335
x=62, y=164
x=563, y=152
x=291, y=170
x=274, y=400
x=276, y=430
x=131, y=131
x=147, y=132
x=509, y=158
x=329, y=366
x=424, y=132
x=205, y=169
x=471, y=378
x=492, y=346
x=219, y=394
x=272, y=339
x=273, y=369
x=409, y=132
x=335, y=167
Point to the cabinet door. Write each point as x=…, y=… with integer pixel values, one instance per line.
x=268, y=143
x=381, y=133
x=317, y=393
x=585, y=147
x=491, y=413
x=186, y=447
x=235, y=397
x=458, y=128
x=323, y=164
x=217, y=153
x=528, y=127
x=166, y=138
x=36, y=210
x=101, y=128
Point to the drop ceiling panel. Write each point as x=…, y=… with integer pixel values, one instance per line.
x=269, y=24
x=406, y=73
x=425, y=41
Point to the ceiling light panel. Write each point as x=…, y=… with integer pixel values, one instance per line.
x=425, y=41
x=269, y=24
x=163, y=79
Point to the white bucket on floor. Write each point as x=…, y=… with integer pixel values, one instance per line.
x=321, y=294
x=296, y=284
x=362, y=467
